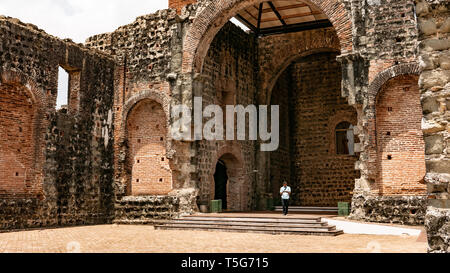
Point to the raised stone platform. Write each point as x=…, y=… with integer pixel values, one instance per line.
x=276, y=225
x=146, y=209
x=311, y=210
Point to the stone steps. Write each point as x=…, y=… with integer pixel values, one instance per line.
x=313, y=210
x=256, y=219
x=267, y=225
x=237, y=223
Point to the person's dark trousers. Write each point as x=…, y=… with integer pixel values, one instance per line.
x=285, y=206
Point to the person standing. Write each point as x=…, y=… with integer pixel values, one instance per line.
x=285, y=193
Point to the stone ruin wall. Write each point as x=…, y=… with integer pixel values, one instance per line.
x=385, y=42
x=59, y=163
x=384, y=37
x=228, y=78
x=149, y=55
x=434, y=83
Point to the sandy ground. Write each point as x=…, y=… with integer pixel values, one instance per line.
x=145, y=239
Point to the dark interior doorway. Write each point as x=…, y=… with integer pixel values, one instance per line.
x=221, y=180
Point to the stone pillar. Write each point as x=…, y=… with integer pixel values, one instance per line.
x=434, y=50
x=355, y=72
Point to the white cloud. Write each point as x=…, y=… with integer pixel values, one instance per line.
x=79, y=19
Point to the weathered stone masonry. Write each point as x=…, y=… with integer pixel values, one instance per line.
x=111, y=157
x=434, y=83
x=61, y=162
x=228, y=78
x=385, y=38
x=319, y=177
x=148, y=53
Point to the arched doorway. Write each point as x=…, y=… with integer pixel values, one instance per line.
x=147, y=135
x=18, y=141
x=401, y=146
x=247, y=63
x=229, y=183
x=316, y=154
x=221, y=183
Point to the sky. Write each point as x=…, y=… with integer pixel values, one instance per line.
x=78, y=20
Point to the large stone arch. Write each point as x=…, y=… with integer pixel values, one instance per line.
x=31, y=169
x=212, y=18
x=282, y=64
x=321, y=103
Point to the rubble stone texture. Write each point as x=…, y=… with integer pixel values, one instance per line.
x=383, y=67
x=434, y=52
x=56, y=166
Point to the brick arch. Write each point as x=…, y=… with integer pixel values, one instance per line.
x=19, y=78
x=283, y=63
x=158, y=97
x=28, y=159
x=146, y=155
x=388, y=74
x=233, y=159
x=373, y=92
x=216, y=14
x=400, y=143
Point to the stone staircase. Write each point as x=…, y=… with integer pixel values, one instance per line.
x=310, y=210
x=257, y=224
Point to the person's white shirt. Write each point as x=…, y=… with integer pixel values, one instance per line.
x=285, y=191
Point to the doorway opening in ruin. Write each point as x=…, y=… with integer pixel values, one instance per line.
x=20, y=138
x=316, y=153
x=400, y=141
x=221, y=183
x=292, y=45
x=230, y=183
x=150, y=168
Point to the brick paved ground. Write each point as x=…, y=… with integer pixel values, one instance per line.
x=144, y=239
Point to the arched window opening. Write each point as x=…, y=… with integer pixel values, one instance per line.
x=345, y=139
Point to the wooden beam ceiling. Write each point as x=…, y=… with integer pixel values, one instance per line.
x=271, y=16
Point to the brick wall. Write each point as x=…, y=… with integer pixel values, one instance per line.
x=280, y=160
x=147, y=50
x=322, y=178
x=147, y=132
x=65, y=159
x=387, y=33
x=401, y=147
x=17, y=142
